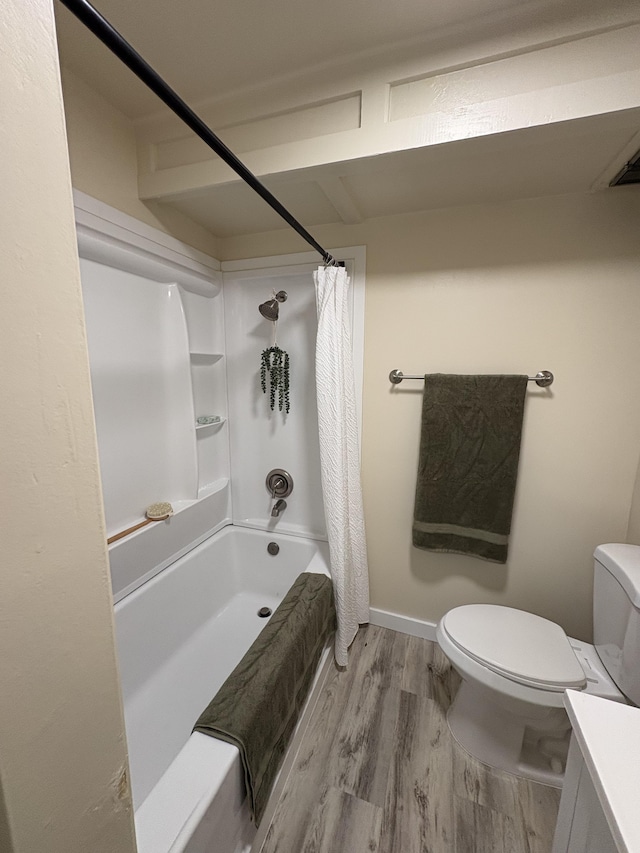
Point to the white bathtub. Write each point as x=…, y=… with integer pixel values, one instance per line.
x=179, y=636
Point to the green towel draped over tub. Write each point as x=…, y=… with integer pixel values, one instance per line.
x=469, y=451
x=257, y=707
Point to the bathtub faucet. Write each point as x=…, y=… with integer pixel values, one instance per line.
x=279, y=485
x=278, y=507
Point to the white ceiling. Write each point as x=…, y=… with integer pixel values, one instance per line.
x=210, y=48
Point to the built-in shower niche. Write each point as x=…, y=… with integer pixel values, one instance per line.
x=155, y=328
x=205, y=328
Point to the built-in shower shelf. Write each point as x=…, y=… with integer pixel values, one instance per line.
x=205, y=357
x=212, y=425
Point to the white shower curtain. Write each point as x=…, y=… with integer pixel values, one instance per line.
x=339, y=456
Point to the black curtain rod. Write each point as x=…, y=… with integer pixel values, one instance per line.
x=108, y=35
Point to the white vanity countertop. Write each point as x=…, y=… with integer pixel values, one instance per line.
x=609, y=737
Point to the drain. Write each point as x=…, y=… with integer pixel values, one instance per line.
x=273, y=548
x=264, y=612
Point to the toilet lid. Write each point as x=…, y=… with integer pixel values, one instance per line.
x=518, y=645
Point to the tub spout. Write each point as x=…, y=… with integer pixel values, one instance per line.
x=278, y=507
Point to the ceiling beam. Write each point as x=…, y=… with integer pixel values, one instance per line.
x=340, y=198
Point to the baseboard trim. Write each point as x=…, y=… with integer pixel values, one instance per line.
x=403, y=624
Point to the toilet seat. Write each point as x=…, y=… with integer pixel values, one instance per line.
x=519, y=646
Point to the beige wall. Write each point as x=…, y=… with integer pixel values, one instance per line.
x=63, y=786
x=103, y=157
x=540, y=284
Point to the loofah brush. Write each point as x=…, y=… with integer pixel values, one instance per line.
x=155, y=512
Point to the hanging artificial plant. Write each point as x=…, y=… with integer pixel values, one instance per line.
x=275, y=363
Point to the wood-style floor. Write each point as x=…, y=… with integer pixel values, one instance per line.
x=378, y=771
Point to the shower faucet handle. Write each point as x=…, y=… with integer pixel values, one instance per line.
x=279, y=483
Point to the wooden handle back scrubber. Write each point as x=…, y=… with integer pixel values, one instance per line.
x=155, y=512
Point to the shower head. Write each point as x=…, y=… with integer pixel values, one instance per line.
x=271, y=307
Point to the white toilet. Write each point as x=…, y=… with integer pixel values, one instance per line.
x=515, y=667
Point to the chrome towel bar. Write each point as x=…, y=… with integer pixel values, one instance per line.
x=544, y=378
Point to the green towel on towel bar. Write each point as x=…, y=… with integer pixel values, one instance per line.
x=257, y=707
x=468, y=465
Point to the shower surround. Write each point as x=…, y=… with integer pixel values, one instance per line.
x=173, y=338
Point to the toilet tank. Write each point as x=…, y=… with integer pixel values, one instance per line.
x=616, y=614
